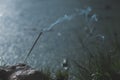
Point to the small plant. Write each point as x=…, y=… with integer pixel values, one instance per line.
x=47, y=73
x=62, y=75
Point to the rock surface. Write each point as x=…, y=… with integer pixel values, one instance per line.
x=21, y=72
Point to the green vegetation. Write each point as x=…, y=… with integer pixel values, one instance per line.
x=101, y=64
x=58, y=75
x=62, y=75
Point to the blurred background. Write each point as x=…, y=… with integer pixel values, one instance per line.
x=68, y=22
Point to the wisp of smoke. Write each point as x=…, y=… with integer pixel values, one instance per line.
x=60, y=20
x=90, y=21
x=66, y=17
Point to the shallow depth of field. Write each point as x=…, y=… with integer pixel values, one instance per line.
x=79, y=40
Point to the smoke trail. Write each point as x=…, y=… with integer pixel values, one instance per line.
x=94, y=17
x=91, y=23
x=60, y=20
x=84, y=12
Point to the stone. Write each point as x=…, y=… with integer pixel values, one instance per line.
x=21, y=72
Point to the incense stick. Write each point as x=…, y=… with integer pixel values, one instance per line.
x=33, y=46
